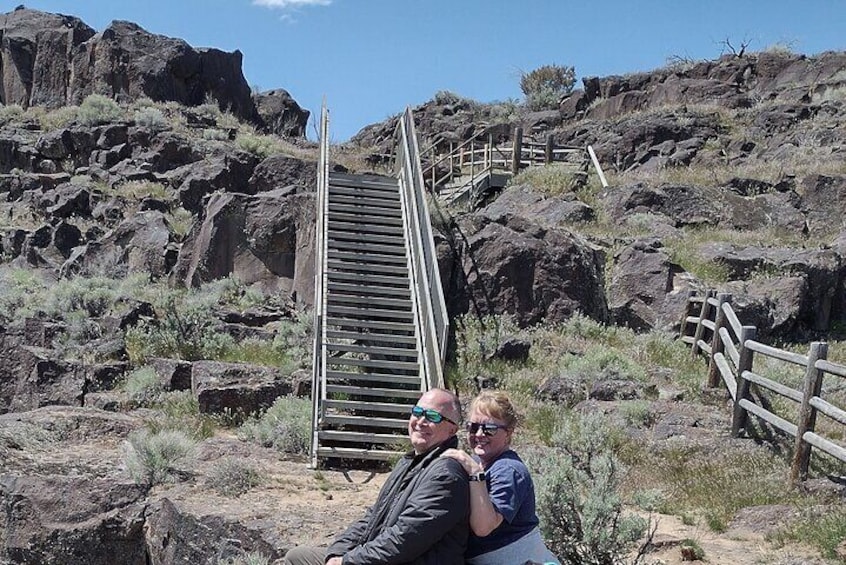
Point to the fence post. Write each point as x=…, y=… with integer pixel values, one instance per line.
x=807, y=413
x=685, y=314
x=716, y=342
x=548, y=153
x=700, y=329
x=739, y=415
x=516, y=150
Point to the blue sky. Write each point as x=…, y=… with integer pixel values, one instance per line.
x=371, y=58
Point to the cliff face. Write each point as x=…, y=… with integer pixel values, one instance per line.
x=53, y=60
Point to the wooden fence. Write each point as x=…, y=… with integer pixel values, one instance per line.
x=493, y=149
x=712, y=329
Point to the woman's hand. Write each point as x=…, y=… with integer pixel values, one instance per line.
x=470, y=465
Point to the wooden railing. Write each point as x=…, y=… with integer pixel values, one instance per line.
x=318, y=376
x=432, y=320
x=711, y=327
x=486, y=151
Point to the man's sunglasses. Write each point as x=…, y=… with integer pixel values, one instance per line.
x=431, y=415
x=487, y=429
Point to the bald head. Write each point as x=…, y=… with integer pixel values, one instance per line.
x=425, y=434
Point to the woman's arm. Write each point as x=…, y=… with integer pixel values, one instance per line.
x=483, y=516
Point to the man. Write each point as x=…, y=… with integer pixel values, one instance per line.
x=421, y=515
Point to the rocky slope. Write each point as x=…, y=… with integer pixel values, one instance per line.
x=749, y=146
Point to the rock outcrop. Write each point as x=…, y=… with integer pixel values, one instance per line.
x=54, y=60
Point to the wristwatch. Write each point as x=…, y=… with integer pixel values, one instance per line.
x=481, y=476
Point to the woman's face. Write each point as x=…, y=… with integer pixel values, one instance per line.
x=487, y=447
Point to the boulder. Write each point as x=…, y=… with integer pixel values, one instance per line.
x=685, y=205
x=31, y=377
x=237, y=389
x=56, y=519
x=823, y=200
x=548, y=211
x=280, y=114
x=266, y=239
x=139, y=243
x=647, y=290
x=280, y=171
x=229, y=171
x=176, y=535
x=533, y=274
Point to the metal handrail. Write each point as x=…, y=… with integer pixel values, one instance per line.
x=432, y=320
x=318, y=377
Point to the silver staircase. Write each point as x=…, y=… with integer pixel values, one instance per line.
x=380, y=318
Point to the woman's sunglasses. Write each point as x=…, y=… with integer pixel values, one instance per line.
x=431, y=415
x=487, y=429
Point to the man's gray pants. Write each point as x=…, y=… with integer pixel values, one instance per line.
x=305, y=556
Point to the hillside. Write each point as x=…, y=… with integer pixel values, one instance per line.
x=156, y=266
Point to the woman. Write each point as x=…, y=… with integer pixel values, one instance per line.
x=503, y=522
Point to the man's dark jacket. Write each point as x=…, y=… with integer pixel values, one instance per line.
x=421, y=516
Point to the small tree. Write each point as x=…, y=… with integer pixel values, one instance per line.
x=545, y=85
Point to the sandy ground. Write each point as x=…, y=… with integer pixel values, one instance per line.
x=296, y=505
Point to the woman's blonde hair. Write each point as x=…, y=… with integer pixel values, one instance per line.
x=497, y=405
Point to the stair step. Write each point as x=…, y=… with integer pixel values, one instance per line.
x=389, y=407
x=374, y=392
x=369, y=301
x=375, y=377
x=370, y=350
x=373, y=363
x=353, y=453
x=344, y=255
x=382, y=204
x=371, y=324
x=353, y=227
x=340, y=289
x=337, y=216
x=388, y=195
x=377, y=238
x=369, y=313
x=361, y=437
x=364, y=247
x=371, y=337
x=375, y=182
x=365, y=421
x=368, y=212
x=367, y=271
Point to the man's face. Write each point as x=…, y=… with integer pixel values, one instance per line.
x=424, y=434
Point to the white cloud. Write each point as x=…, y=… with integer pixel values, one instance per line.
x=282, y=4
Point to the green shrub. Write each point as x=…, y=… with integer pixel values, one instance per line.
x=21, y=290
x=233, y=477
x=54, y=119
x=143, y=386
x=92, y=296
x=97, y=109
x=180, y=410
x=576, y=482
x=186, y=329
x=180, y=221
x=825, y=530
x=552, y=180
x=262, y=146
x=249, y=558
x=152, y=458
x=285, y=426
x=10, y=113
x=150, y=117
x=545, y=85
x=214, y=134
x=691, y=550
